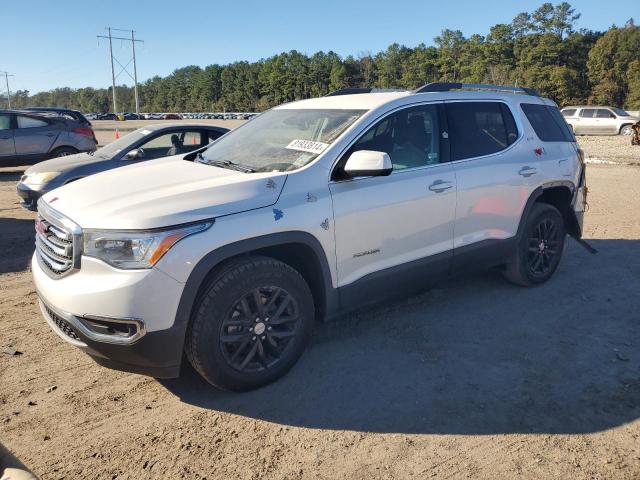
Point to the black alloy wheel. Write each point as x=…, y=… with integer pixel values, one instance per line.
x=543, y=246
x=252, y=322
x=259, y=329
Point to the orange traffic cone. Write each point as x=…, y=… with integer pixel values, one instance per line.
x=117, y=134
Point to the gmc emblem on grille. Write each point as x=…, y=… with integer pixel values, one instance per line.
x=41, y=228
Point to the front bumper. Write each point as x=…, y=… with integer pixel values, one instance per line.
x=147, y=299
x=156, y=354
x=29, y=195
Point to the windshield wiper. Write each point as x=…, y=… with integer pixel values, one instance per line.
x=226, y=164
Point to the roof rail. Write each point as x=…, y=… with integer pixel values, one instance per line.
x=356, y=90
x=447, y=86
x=348, y=91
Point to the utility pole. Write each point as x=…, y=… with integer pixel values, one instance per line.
x=135, y=73
x=133, y=41
x=6, y=79
x=113, y=76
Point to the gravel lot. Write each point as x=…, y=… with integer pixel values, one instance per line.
x=610, y=149
x=475, y=379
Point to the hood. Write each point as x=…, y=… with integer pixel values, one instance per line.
x=61, y=164
x=161, y=193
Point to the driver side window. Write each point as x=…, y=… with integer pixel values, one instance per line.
x=411, y=138
x=172, y=143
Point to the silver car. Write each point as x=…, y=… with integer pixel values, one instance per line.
x=28, y=137
x=592, y=120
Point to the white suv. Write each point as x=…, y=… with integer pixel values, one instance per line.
x=307, y=211
x=592, y=120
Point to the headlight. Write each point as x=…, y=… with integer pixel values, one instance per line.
x=39, y=178
x=135, y=249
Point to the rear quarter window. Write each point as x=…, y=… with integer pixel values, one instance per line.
x=568, y=112
x=548, y=123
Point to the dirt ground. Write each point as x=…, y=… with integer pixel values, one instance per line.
x=474, y=379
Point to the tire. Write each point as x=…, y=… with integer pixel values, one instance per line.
x=63, y=152
x=234, y=346
x=626, y=130
x=534, y=263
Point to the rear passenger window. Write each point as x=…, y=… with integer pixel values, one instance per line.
x=588, y=112
x=548, y=123
x=28, y=122
x=479, y=128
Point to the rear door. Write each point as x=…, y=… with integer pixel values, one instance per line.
x=7, y=147
x=34, y=136
x=496, y=171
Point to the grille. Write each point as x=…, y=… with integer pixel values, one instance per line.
x=54, y=245
x=62, y=324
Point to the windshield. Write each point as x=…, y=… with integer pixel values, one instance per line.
x=280, y=140
x=112, y=149
x=620, y=112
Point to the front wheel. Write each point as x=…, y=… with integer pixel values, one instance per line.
x=626, y=130
x=539, y=248
x=251, y=324
x=63, y=152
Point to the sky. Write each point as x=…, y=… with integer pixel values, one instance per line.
x=48, y=44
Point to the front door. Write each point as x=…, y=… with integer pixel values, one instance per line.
x=168, y=143
x=7, y=147
x=607, y=121
x=401, y=224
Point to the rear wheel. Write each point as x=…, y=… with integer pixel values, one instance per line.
x=63, y=152
x=539, y=248
x=251, y=324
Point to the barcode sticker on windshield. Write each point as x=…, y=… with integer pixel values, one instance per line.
x=307, y=146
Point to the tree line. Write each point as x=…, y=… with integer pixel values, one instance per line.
x=540, y=49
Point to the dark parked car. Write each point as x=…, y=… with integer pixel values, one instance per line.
x=64, y=112
x=28, y=137
x=146, y=143
x=107, y=116
x=171, y=116
x=132, y=116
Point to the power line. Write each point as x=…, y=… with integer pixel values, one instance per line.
x=133, y=41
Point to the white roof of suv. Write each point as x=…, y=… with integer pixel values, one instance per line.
x=375, y=99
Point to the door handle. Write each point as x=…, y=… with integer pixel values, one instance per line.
x=527, y=171
x=440, y=186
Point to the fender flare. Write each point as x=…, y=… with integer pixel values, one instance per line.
x=537, y=193
x=218, y=256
